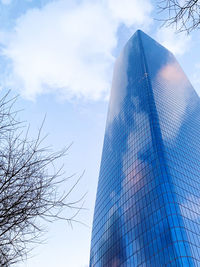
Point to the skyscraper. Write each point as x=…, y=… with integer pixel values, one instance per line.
x=147, y=210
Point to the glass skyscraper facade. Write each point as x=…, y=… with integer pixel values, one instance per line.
x=147, y=210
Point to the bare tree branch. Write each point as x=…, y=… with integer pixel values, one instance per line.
x=184, y=14
x=29, y=186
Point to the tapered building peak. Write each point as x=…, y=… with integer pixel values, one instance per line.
x=147, y=205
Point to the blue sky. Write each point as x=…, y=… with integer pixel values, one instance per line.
x=59, y=56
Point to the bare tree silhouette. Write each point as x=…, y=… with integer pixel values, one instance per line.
x=29, y=186
x=184, y=14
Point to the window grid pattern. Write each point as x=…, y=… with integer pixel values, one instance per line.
x=147, y=210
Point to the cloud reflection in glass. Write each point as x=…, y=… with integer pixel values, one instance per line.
x=146, y=211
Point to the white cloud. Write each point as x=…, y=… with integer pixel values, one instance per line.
x=177, y=43
x=130, y=12
x=67, y=47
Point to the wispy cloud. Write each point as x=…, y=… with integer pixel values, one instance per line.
x=131, y=12
x=177, y=43
x=66, y=46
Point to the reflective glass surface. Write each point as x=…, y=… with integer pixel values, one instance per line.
x=147, y=210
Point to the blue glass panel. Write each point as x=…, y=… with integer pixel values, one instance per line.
x=147, y=210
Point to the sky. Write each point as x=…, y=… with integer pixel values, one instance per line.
x=59, y=57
